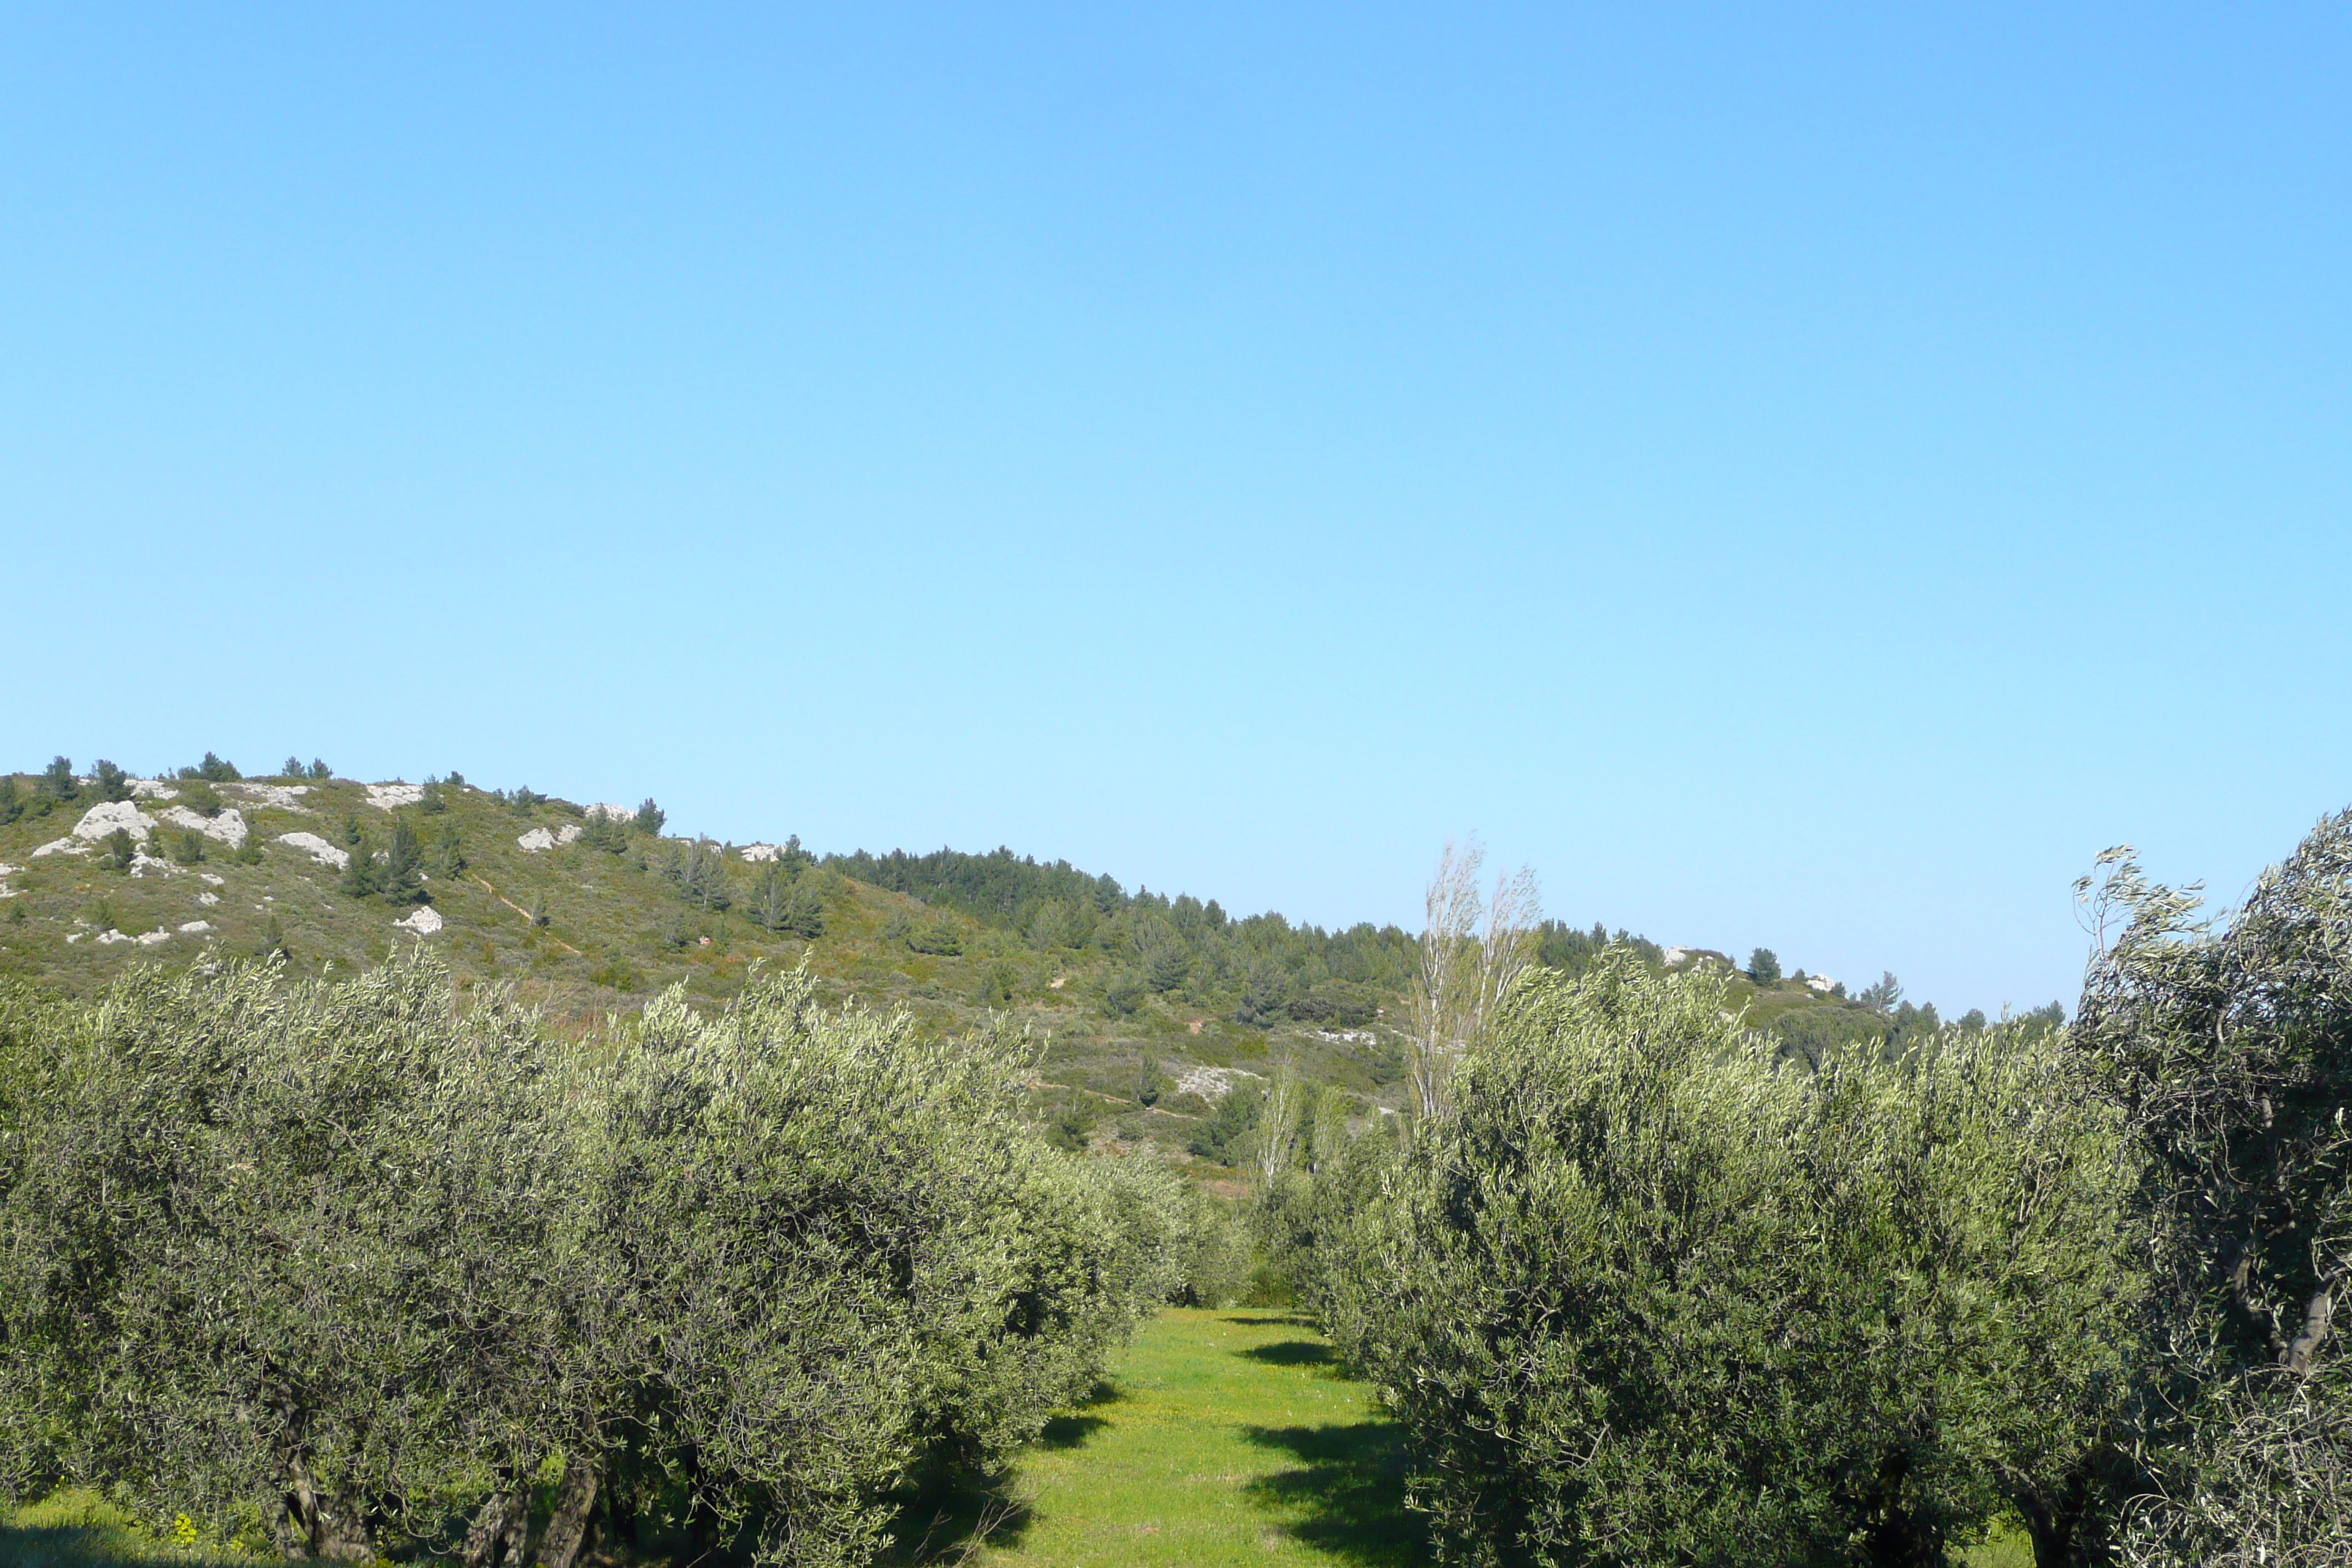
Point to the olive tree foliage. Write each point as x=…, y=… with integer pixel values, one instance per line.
x=1473, y=947
x=1643, y=1296
x=340, y=1264
x=2229, y=1042
x=841, y=1250
x=278, y=1256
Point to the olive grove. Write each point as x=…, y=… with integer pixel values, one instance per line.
x=332, y=1266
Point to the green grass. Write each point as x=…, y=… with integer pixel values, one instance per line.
x=1219, y=1439
x=80, y=1530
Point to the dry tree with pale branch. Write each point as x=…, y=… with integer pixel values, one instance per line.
x=1472, y=948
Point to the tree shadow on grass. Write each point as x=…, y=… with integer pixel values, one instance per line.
x=1293, y=1353
x=945, y=1514
x=1351, y=1487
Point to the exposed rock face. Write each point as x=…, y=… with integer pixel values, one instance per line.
x=208, y=899
x=282, y=796
x=762, y=852
x=153, y=937
x=100, y=821
x=424, y=922
x=110, y=937
x=153, y=789
x=196, y=928
x=568, y=832
x=612, y=813
x=386, y=797
x=1819, y=982
x=537, y=839
x=60, y=846
x=1211, y=1084
x=228, y=827
x=318, y=849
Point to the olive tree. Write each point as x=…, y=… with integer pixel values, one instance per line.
x=280, y=1256
x=1645, y=1296
x=2229, y=1041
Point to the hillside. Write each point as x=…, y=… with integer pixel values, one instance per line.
x=584, y=911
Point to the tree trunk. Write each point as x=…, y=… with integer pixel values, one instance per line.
x=496, y=1536
x=2056, y=1526
x=575, y=1500
x=321, y=1524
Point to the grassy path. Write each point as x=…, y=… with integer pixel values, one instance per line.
x=1228, y=1438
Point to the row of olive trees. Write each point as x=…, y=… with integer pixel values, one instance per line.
x=1642, y=1293
x=334, y=1266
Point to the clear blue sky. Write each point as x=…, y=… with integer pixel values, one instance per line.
x=1801, y=476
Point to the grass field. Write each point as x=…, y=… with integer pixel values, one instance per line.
x=1222, y=1438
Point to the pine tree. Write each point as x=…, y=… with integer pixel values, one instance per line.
x=400, y=884
x=449, y=853
x=649, y=819
x=188, y=848
x=292, y=768
x=319, y=770
x=358, y=876
x=112, y=784
x=57, y=781
x=120, y=849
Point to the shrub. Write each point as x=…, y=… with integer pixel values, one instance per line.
x=1641, y=1296
x=939, y=936
x=122, y=850
x=1122, y=995
x=1764, y=967
x=1222, y=1135
x=1336, y=1002
x=188, y=847
x=109, y=782
x=57, y=782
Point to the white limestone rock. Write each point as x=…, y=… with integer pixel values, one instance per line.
x=758, y=852
x=424, y=922
x=318, y=849
x=1819, y=982
x=389, y=796
x=228, y=827
x=150, y=938
x=60, y=846
x=1211, y=1084
x=208, y=897
x=100, y=821
x=612, y=813
x=206, y=877
x=195, y=927
x=537, y=839
x=141, y=863
x=109, y=937
x=153, y=789
x=568, y=832
x=285, y=797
